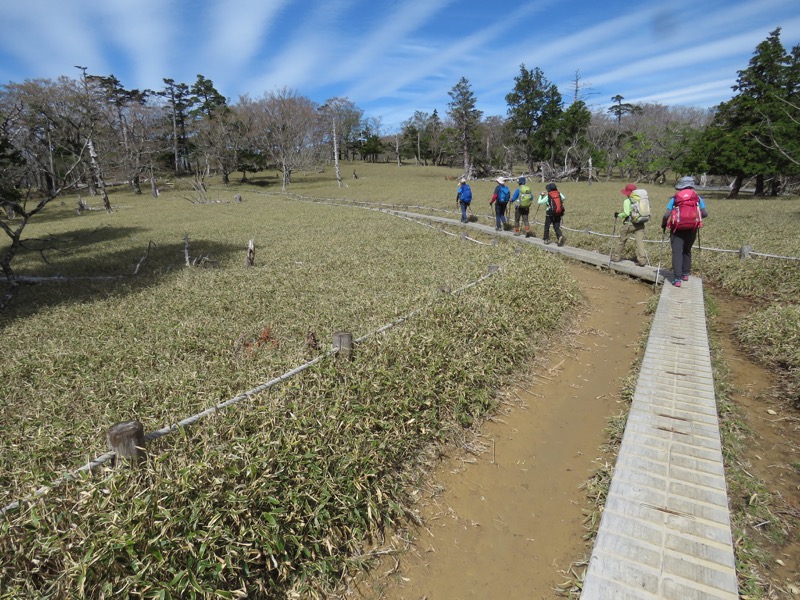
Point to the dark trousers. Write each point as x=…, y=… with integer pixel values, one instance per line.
x=682, y=242
x=555, y=220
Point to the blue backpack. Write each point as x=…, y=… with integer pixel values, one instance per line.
x=503, y=194
x=465, y=193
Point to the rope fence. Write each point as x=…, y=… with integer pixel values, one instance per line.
x=154, y=435
x=744, y=251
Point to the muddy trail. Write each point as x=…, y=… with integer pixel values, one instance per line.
x=508, y=521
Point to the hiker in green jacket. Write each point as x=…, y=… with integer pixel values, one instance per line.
x=629, y=229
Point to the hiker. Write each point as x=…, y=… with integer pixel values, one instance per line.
x=522, y=200
x=685, y=213
x=629, y=227
x=555, y=210
x=463, y=198
x=500, y=199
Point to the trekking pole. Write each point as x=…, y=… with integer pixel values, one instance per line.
x=536, y=214
x=613, y=235
x=699, y=250
x=660, y=257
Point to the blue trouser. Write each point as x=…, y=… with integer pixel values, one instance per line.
x=464, y=206
x=500, y=214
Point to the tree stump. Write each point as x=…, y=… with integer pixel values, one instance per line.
x=493, y=269
x=251, y=254
x=744, y=251
x=127, y=440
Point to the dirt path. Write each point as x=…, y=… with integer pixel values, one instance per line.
x=510, y=520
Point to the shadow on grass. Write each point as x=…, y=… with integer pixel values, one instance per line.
x=85, y=274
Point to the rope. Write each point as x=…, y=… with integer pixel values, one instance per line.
x=535, y=222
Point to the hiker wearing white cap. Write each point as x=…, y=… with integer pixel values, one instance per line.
x=500, y=200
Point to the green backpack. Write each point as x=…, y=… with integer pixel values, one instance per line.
x=525, y=196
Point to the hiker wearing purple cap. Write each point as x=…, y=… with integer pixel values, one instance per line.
x=630, y=228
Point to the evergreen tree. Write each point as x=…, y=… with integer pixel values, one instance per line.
x=740, y=139
x=466, y=119
x=534, y=112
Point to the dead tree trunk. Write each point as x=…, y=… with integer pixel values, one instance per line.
x=736, y=185
x=98, y=174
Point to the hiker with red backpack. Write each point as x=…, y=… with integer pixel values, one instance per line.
x=684, y=217
x=555, y=210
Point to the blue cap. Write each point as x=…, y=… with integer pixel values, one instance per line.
x=521, y=180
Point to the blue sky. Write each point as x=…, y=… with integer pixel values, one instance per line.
x=392, y=57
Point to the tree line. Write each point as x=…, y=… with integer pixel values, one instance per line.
x=90, y=132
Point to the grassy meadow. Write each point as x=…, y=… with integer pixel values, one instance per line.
x=278, y=495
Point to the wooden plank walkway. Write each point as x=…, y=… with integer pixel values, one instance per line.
x=665, y=531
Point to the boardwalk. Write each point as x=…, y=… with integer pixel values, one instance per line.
x=665, y=530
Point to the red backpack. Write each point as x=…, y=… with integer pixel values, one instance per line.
x=685, y=213
x=554, y=203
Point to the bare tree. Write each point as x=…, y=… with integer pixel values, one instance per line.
x=287, y=123
x=28, y=130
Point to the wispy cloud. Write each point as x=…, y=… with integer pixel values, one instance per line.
x=395, y=57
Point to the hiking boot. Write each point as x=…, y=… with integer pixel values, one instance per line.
x=516, y=231
x=562, y=240
x=685, y=277
x=676, y=282
x=616, y=259
x=546, y=241
x=641, y=264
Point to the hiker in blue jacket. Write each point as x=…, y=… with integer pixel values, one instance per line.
x=522, y=200
x=500, y=200
x=463, y=198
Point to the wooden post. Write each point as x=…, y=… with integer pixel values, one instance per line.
x=343, y=342
x=493, y=269
x=127, y=440
x=251, y=254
